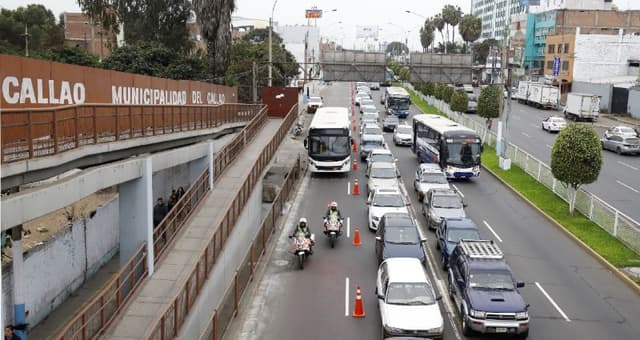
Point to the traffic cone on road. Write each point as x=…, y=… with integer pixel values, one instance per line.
x=354, y=127
x=355, y=147
x=355, y=163
x=356, y=237
x=356, y=187
x=358, y=310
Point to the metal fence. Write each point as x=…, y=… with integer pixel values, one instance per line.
x=616, y=223
x=93, y=319
x=176, y=312
x=41, y=132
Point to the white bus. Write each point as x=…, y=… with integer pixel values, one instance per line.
x=396, y=101
x=454, y=147
x=329, y=140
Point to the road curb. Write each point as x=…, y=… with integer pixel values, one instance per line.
x=626, y=279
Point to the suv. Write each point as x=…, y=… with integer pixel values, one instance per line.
x=484, y=291
x=407, y=301
x=440, y=204
x=429, y=176
x=449, y=234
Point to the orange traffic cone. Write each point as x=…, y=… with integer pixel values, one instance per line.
x=354, y=127
x=356, y=187
x=355, y=164
x=358, y=310
x=356, y=237
x=355, y=148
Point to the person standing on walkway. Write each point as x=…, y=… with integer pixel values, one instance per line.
x=9, y=333
x=159, y=212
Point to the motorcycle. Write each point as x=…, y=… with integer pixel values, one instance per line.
x=298, y=129
x=302, y=247
x=333, y=229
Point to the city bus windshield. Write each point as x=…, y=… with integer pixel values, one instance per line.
x=462, y=154
x=398, y=103
x=329, y=147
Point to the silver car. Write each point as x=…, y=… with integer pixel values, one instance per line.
x=382, y=175
x=403, y=135
x=622, y=145
x=623, y=131
x=429, y=176
x=369, y=143
x=440, y=204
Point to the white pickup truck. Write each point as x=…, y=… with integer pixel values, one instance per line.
x=313, y=104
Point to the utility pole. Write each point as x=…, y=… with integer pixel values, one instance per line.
x=504, y=161
x=26, y=40
x=306, y=51
x=271, y=43
x=254, y=84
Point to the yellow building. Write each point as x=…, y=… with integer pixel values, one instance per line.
x=560, y=46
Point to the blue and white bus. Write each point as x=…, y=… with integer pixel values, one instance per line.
x=329, y=140
x=396, y=101
x=456, y=148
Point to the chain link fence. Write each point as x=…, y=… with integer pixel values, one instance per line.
x=616, y=223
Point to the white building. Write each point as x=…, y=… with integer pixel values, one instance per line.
x=604, y=57
x=495, y=16
x=548, y=5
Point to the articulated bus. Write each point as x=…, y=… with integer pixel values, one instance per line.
x=456, y=148
x=329, y=140
x=396, y=101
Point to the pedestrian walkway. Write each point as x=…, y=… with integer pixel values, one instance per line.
x=171, y=273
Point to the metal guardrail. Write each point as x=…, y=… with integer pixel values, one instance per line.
x=174, y=315
x=615, y=222
x=98, y=313
x=41, y=132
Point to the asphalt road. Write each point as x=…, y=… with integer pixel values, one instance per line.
x=572, y=296
x=619, y=180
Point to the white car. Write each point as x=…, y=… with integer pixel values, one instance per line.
x=403, y=135
x=380, y=155
x=554, y=123
x=365, y=101
x=385, y=200
x=374, y=86
x=370, y=111
x=361, y=84
x=429, y=176
x=364, y=89
x=370, y=129
x=407, y=302
x=382, y=175
x=622, y=131
x=313, y=104
x=360, y=96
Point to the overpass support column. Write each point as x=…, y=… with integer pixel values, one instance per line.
x=19, y=311
x=136, y=215
x=210, y=160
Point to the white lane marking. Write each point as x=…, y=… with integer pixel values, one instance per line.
x=628, y=165
x=349, y=188
x=348, y=227
x=628, y=187
x=553, y=302
x=549, y=146
x=458, y=190
x=346, y=296
x=491, y=230
x=525, y=134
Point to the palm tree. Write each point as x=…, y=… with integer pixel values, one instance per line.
x=214, y=16
x=451, y=16
x=426, y=35
x=470, y=28
x=438, y=23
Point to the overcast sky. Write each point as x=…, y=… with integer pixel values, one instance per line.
x=388, y=15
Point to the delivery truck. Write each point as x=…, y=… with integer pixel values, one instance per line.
x=538, y=95
x=582, y=106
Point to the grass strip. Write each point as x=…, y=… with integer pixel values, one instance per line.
x=420, y=103
x=613, y=250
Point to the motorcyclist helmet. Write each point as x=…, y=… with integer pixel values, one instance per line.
x=303, y=222
x=333, y=206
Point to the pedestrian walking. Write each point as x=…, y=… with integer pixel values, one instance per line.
x=159, y=212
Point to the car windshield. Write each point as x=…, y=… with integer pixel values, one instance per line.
x=401, y=235
x=410, y=293
x=627, y=130
x=633, y=141
x=372, y=143
x=373, y=130
x=455, y=235
x=382, y=157
x=447, y=202
x=383, y=173
x=389, y=201
x=491, y=280
x=362, y=95
x=463, y=154
x=557, y=120
x=404, y=130
x=436, y=178
x=315, y=99
x=369, y=116
x=472, y=97
x=369, y=109
x=391, y=119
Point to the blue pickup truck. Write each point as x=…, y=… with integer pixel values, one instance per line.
x=484, y=291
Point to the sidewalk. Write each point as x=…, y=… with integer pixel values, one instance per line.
x=620, y=119
x=170, y=274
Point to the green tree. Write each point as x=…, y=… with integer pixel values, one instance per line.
x=576, y=158
x=447, y=93
x=438, y=91
x=214, y=16
x=404, y=73
x=397, y=48
x=481, y=50
x=459, y=101
x=490, y=101
x=451, y=15
x=426, y=35
x=71, y=55
x=470, y=28
x=438, y=23
x=44, y=33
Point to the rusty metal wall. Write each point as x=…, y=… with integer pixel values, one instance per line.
x=279, y=100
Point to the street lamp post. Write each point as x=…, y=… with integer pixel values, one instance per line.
x=271, y=43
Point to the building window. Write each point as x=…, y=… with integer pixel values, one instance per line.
x=565, y=66
x=551, y=49
x=550, y=65
x=566, y=48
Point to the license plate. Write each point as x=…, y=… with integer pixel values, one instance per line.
x=501, y=330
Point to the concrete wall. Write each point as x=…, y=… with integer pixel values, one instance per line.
x=56, y=269
x=633, y=106
x=601, y=56
x=602, y=90
x=223, y=272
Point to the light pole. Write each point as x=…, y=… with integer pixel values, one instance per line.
x=26, y=36
x=271, y=42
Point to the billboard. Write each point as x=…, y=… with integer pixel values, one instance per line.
x=27, y=82
x=313, y=13
x=364, y=32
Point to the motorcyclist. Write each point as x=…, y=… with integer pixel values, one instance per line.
x=333, y=211
x=303, y=227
